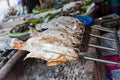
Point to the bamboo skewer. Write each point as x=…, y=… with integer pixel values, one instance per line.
x=103, y=29
x=86, y=58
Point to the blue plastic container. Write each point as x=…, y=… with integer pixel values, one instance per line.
x=87, y=20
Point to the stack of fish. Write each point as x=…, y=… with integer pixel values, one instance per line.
x=63, y=37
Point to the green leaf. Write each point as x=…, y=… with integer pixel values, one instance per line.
x=47, y=9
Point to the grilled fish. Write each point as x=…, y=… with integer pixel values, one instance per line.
x=55, y=43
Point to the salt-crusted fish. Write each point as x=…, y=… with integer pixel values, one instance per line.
x=55, y=43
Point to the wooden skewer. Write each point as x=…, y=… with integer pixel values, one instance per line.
x=86, y=58
x=102, y=37
x=103, y=29
x=100, y=47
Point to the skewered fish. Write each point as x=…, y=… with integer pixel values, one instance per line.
x=65, y=22
x=38, y=46
x=64, y=35
x=56, y=39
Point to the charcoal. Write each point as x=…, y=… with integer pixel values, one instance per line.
x=38, y=70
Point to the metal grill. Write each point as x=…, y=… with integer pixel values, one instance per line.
x=9, y=58
x=107, y=24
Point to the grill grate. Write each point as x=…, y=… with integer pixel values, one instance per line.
x=106, y=30
x=5, y=56
x=9, y=57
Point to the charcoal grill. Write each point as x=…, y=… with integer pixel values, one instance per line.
x=10, y=57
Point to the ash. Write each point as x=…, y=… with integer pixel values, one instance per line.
x=74, y=70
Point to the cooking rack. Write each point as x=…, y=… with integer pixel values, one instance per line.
x=105, y=24
x=85, y=44
x=87, y=35
x=10, y=57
